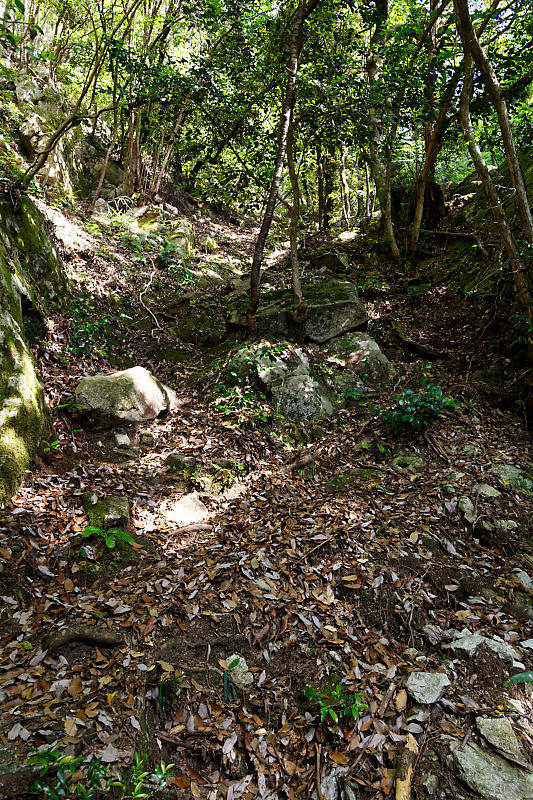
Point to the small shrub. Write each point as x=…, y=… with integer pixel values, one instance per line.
x=109, y=538
x=416, y=411
x=334, y=703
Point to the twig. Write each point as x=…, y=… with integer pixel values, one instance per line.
x=318, y=779
x=303, y=460
x=141, y=301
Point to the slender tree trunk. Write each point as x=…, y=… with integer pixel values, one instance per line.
x=112, y=142
x=367, y=191
x=294, y=213
x=345, y=190
x=381, y=172
x=519, y=270
x=320, y=189
x=304, y=9
x=471, y=45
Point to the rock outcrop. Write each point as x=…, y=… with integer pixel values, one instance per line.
x=334, y=308
x=30, y=279
x=131, y=395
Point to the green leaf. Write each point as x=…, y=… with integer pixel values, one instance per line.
x=333, y=714
x=91, y=530
x=521, y=677
x=234, y=663
x=110, y=541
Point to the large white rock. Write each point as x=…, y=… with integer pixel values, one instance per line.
x=490, y=775
x=131, y=395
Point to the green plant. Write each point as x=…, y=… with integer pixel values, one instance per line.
x=59, y=776
x=88, y=329
x=51, y=445
x=109, y=537
x=65, y=777
x=521, y=677
x=414, y=411
x=335, y=703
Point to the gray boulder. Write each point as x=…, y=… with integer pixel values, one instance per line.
x=333, y=308
x=294, y=391
x=361, y=354
x=131, y=395
x=107, y=512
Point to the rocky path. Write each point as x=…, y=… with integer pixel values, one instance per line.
x=273, y=572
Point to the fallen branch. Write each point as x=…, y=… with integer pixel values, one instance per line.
x=86, y=634
x=404, y=770
x=416, y=347
x=460, y=235
x=304, y=460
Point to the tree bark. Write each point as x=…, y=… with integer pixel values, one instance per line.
x=471, y=45
x=519, y=270
x=345, y=190
x=304, y=9
x=381, y=172
x=294, y=214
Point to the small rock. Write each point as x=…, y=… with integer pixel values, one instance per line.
x=523, y=579
x=430, y=783
x=486, y=490
x=527, y=644
x=508, y=525
x=181, y=461
x=468, y=509
x=107, y=512
x=329, y=788
x=432, y=633
x=427, y=687
x=122, y=440
x=187, y=511
x=407, y=463
x=240, y=672
x=147, y=440
x=500, y=734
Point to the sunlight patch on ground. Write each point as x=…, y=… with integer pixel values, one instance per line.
x=68, y=232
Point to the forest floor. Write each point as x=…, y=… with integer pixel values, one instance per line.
x=313, y=573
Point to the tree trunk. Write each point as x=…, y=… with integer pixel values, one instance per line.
x=345, y=190
x=304, y=9
x=519, y=270
x=294, y=213
x=111, y=144
x=381, y=172
x=471, y=45
x=320, y=188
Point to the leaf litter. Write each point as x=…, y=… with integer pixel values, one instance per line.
x=311, y=582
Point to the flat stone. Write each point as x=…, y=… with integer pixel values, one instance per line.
x=431, y=784
x=527, y=644
x=490, y=775
x=469, y=643
x=187, y=511
x=427, y=687
x=517, y=477
x=486, y=490
x=240, y=672
x=122, y=440
x=500, y=734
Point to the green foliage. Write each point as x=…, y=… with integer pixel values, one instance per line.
x=109, y=537
x=66, y=777
x=56, y=777
x=90, y=330
x=334, y=702
x=415, y=412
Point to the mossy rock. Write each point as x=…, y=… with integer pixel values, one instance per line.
x=30, y=277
